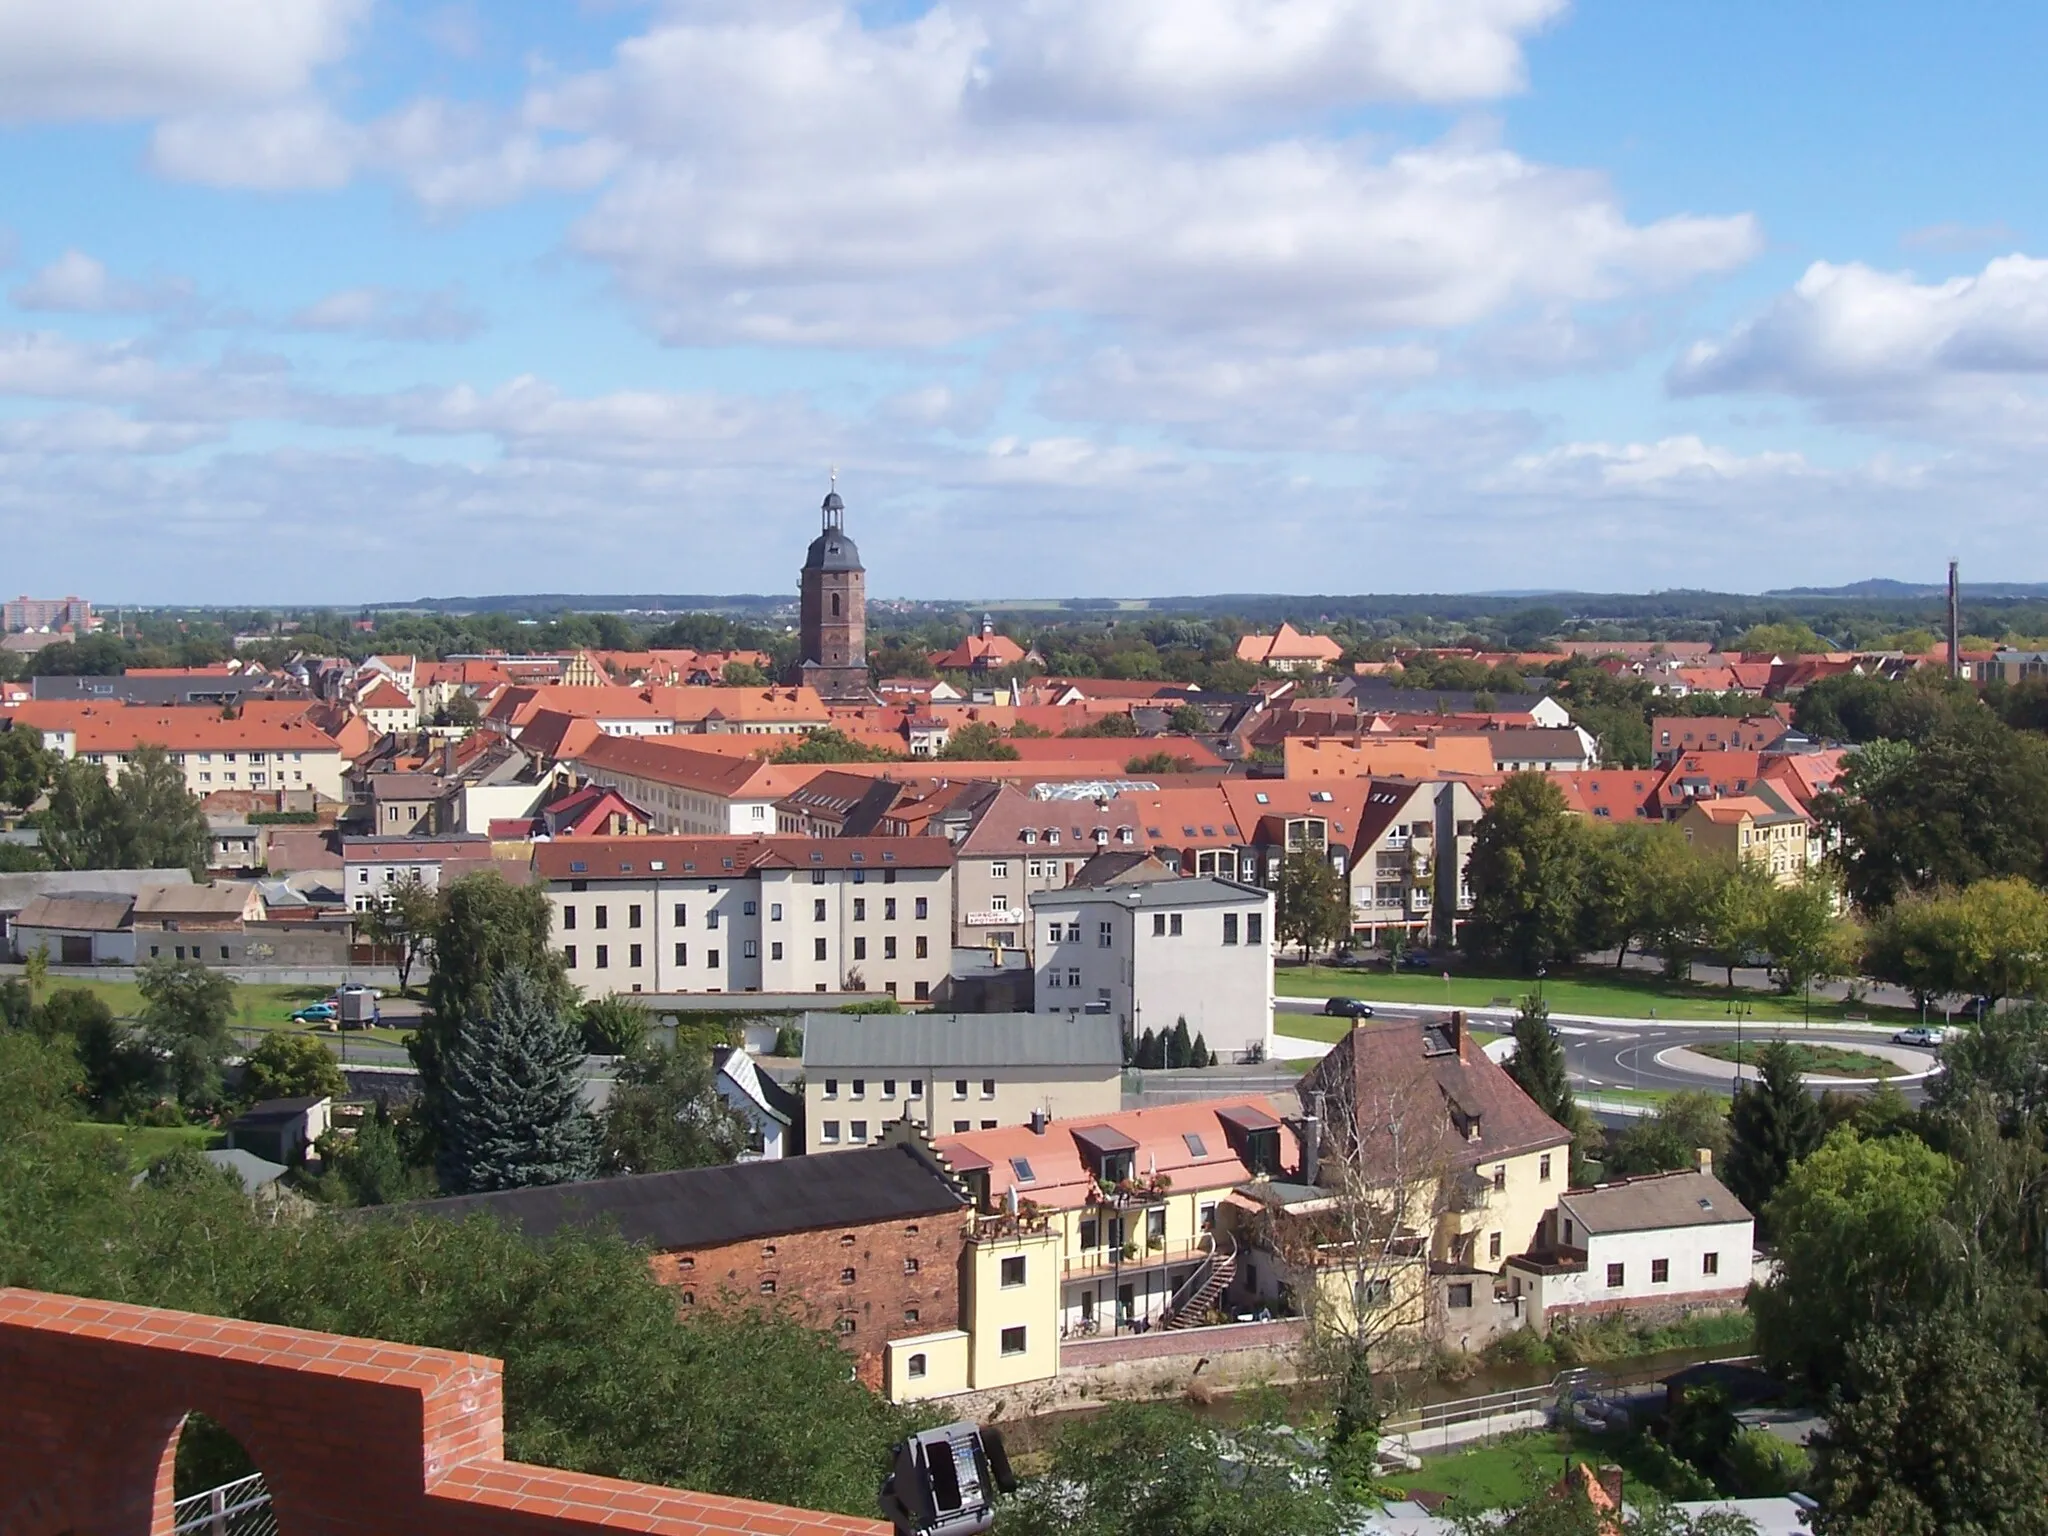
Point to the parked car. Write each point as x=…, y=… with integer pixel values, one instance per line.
x=315, y=1013
x=1921, y=1034
x=1418, y=960
x=1348, y=1008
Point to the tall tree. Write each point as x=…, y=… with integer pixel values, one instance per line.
x=405, y=923
x=1772, y=1125
x=510, y=1110
x=1311, y=909
x=146, y=819
x=26, y=767
x=1538, y=1068
x=287, y=1066
x=1527, y=873
x=1804, y=938
x=665, y=1113
x=977, y=742
x=185, y=1014
x=1681, y=1128
x=1737, y=916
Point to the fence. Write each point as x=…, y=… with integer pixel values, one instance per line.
x=240, y=1508
x=1563, y=1388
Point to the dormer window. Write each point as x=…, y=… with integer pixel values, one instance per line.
x=1052, y=834
x=1030, y=834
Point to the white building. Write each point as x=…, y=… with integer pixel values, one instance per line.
x=1152, y=951
x=1671, y=1240
x=691, y=793
x=372, y=867
x=752, y=914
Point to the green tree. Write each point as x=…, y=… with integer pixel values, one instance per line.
x=1538, y=1068
x=829, y=744
x=1913, y=943
x=460, y=711
x=16, y=859
x=1117, y=725
x=2001, y=938
x=1181, y=1045
x=1313, y=908
x=1772, y=1125
x=1158, y=762
x=612, y=1026
x=1737, y=916
x=404, y=924
x=185, y=1014
x=1804, y=938
x=2002, y=1062
x=372, y=1167
x=1156, y=1470
x=1526, y=870
x=1786, y=639
x=666, y=1113
x=1937, y=1432
x=26, y=768
x=35, y=970
x=286, y=1066
x=977, y=742
x=1187, y=720
x=1672, y=1137
x=1852, y=1227
x=1623, y=866
x=144, y=820
x=742, y=674
x=509, y=1112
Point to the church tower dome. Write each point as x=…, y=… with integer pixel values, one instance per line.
x=832, y=612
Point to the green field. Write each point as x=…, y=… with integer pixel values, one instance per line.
x=1611, y=994
x=258, y=1005
x=1825, y=1060
x=1507, y=1471
x=146, y=1143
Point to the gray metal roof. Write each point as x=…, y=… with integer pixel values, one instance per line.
x=848, y=1040
x=1179, y=892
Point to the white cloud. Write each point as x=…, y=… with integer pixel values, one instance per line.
x=102, y=59
x=392, y=315
x=1672, y=465
x=101, y=431
x=1849, y=329
x=81, y=284
x=293, y=146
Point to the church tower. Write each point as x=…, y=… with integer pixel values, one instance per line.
x=832, y=625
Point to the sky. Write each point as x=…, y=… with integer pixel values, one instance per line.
x=344, y=301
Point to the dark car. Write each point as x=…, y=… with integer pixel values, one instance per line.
x=1348, y=1008
x=1418, y=960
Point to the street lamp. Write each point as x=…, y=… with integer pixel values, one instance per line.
x=1541, y=972
x=1740, y=1008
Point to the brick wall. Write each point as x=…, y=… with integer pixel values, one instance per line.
x=353, y=1436
x=808, y=1271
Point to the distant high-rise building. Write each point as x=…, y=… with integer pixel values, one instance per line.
x=72, y=613
x=832, y=626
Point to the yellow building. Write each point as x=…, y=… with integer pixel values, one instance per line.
x=1759, y=828
x=1128, y=1203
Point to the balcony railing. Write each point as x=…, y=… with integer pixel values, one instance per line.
x=1100, y=1261
x=240, y=1508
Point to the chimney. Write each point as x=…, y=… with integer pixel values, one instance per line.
x=1955, y=623
x=1455, y=1029
x=1704, y=1158
x=1312, y=1140
x=1038, y=1122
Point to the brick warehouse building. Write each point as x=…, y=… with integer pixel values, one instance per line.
x=352, y=1435
x=866, y=1244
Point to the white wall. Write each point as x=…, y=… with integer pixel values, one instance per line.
x=478, y=805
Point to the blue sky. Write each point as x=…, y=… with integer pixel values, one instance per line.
x=354, y=300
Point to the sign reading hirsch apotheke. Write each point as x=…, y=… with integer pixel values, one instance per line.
x=991, y=919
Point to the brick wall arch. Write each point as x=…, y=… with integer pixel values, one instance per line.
x=353, y=1436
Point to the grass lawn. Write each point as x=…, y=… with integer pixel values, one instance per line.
x=1826, y=1060
x=1614, y=994
x=258, y=1006
x=145, y=1143
x=1489, y=1476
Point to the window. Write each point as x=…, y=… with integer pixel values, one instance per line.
x=775, y=950
x=860, y=909
x=1617, y=1274
x=998, y=869
x=818, y=910
x=633, y=956
x=1255, y=927
x=831, y=1087
x=768, y=1286
x=1500, y=1177
x=860, y=947
x=829, y=1132
x=1230, y=927
x=1052, y=934
x=846, y=1277
x=889, y=947
x=961, y=1127
x=1459, y=1295
x=924, y=908
x=845, y=1325
x=1013, y=1271
x=568, y=955
x=682, y=915
x=633, y=915
x=774, y=911
x=682, y=954
x=910, y=1314
x=568, y=913
x=1013, y=1341
x=888, y=909
x=959, y=1087
x=988, y=1125
x=1155, y=1225
x=1021, y=1167
x=910, y=1266
x=1073, y=975
x=689, y=1298
x=914, y=1366
x=860, y=1087
x=857, y=1131
x=1493, y=1245
x=1158, y=925
x=988, y=1087
x=748, y=908
x=922, y=991
x=888, y=1087
x=604, y=956
x=1105, y=935
x=1372, y=1293
x=924, y=947
x=1660, y=1271
x=1543, y=1169
x=750, y=949
x=817, y=949
x=1710, y=1263
x=711, y=958
x=603, y=916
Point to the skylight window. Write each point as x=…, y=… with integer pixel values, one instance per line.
x=1196, y=1148
x=1021, y=1167
x=1263, y=798
x=657, y=865
x=817, y=858
x=577, y=867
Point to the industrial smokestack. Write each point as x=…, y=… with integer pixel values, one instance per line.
x=1955, y=623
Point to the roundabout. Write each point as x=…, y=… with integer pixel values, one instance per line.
x=1679, y=1058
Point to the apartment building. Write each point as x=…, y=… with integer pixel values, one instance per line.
x=688, y=792
x=266, y=746
x=950, y=1073
x=373, y=867
x=747, y=914
x=1148, y=947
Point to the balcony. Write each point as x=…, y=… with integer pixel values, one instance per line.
x=1090, y=1262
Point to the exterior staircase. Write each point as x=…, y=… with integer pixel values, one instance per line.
x=1205, y=1287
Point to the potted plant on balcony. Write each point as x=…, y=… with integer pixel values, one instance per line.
x=1130, y=1252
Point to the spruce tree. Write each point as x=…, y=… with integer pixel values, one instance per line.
x=1201, y=1056
x=1773, y=1125
x=1148, y=1048
x=1538, y=1069
x=1183, y=1046
x=510, y=1111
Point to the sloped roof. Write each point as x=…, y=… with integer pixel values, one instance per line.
x=705, y=1207
x=1687, y=1198
x=78, y=912
x=842, y=1040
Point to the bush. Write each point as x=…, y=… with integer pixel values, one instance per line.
x=1761, y=1466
